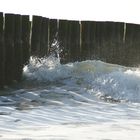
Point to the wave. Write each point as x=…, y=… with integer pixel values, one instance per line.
x=106, y=81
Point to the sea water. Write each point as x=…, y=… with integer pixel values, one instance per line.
x=75, y=101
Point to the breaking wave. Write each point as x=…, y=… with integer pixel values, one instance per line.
x=106, y=81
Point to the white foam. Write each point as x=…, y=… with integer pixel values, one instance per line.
x=64, y=102
x=103, y=79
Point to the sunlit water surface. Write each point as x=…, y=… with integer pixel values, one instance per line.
x=76, y=101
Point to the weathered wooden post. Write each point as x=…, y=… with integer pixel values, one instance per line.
x=98, y=40
x=18, y=48
x=109, y=38
x=36, y=35
x=63, y=38
x=132, y=45
x=44, y=37
x=26, y=30
x=74, y=40
x=2, y=55
x=88, y=39
x=103, y=32
x=53, y=29
x=9, y=48
x=117, y=50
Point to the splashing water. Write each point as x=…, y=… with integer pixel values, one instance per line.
x=72, y=100
x=55, y=49
x=106, y=81
x=101, y=79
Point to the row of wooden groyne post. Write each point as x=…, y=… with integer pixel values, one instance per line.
x=20, y=37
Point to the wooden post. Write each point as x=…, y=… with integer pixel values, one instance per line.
x=9, y=48
x=44, y=37
x=53, y=29
x=36, y=35
x=2, y=55
x=98, y=36
x=109, y=38
x=88, y=39
x=74, y=40
x=63, y=37
x=105, y=30
x=26, y=30
x=18, y=48
x=117, y=36
x=107, y=41
x=132, y=45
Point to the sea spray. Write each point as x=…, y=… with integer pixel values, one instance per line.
x=102, y=79
x=74, y=99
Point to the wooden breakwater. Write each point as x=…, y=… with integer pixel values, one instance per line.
x=14, y=46
x=20, y=37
